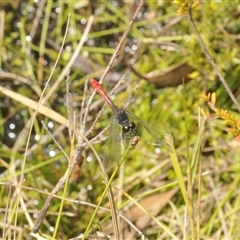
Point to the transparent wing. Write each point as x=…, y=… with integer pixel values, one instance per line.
x=112, y=149
x=148, y=133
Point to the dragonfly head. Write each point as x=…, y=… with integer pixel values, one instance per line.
x=129, y=127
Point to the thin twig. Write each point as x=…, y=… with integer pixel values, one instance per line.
x=5, y=224
x=130, y=99
x=82, y=115
x=121, y=42
x=36, y=22
x=222, y=79
x=55, y=140
x=69, y=106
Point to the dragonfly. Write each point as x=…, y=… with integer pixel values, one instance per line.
x=127, y=128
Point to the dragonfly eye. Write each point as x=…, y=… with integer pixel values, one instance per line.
x=129, y=128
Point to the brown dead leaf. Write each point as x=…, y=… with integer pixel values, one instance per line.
x=153, y=204
x=171, y=77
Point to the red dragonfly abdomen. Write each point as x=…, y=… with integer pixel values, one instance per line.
x=98, y=87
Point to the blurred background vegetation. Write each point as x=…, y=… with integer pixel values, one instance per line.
x=160, y=51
